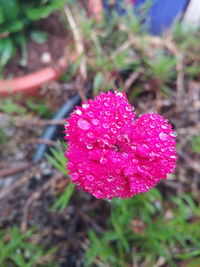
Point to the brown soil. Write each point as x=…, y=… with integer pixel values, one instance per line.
x=55, y=45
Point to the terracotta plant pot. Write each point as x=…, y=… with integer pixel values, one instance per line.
x=29, y=84
x=96, y=9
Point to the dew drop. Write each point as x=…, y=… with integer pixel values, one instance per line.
x=113, y=130
x=90, y=177
x=83, y=124
x=114, y=160
x=140, y=169
x=90, y=114
x=110, y=178
x=66, y=124
x=95, y=121
x=173, y=157
x=128, y=108
x=152, y=116
x=103, y=160
x=70, y=165
x=163, y=136
x=164, y=127
x=90, y=135
x=98, y=194
x=133, y=147
x=174, y=134
x=75, y=176
x=152, y=126
x=107, y=112
x=78, y=111
x=85, y=106
x=119, y=125
x=117, y=171
x=105, y=125
x=119, y=94
x=89, y=146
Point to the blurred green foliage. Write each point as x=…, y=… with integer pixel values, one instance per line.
x=16, y=16
x=196, y=144
x=58, y=160
x=144, y=228
x=16, y=250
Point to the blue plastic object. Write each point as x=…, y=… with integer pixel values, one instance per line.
x=158, y=17
x=51, y=131
x=161, y=13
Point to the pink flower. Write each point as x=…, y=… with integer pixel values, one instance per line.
x=111, y=154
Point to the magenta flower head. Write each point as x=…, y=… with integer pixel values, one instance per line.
x=110, y=154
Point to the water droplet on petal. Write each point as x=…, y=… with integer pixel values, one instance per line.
x=119, y=94
x=98, y=194
x=163, y=136
x=117, y=171
x=103, y=160
x=133, y=147
x=152, y=116
x=174, y=134
x=105, y=125
x=173, y=157
x=78, y=111
x=66, y=124
x=128, y=108
x=83, y=124
x=113, y=130
x=90, y=114
x=110, y=178
x=75, y=176
x=90, y=135
x=89, y=146
x=95, y=121
x=164, y=127
x=85, y=106
x=70, y=165
x=90, y=177
x=140, y=169
x=107, y=112
x=119, y=125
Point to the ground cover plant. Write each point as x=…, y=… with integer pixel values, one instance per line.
x=44, y=219
x=16, y=20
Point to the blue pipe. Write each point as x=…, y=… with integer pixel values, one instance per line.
x=51, y=131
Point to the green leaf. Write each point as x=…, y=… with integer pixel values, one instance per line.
x=40, y=12
x=1, y=15
x=196, y=144
x=62, y=202
x=22, y=42
x=7, y=50
x=39, y=37
x=193, y=263
x=8, y=106
x=10, y=9
x=15, y=26
x=98, y=80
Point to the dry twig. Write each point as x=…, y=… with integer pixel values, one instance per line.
x=25, y=179
x=15, y=169
x=34, y=197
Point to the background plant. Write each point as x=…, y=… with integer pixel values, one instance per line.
x=16, y=18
